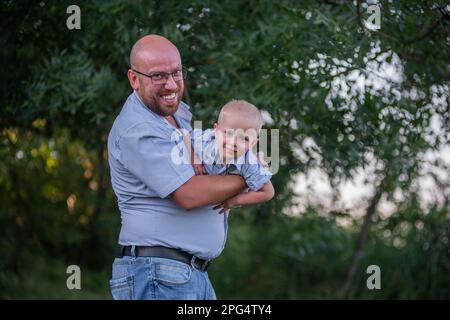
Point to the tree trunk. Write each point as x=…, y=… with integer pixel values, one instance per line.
x=363, y=235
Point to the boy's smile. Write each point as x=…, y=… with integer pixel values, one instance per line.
x=234, y=142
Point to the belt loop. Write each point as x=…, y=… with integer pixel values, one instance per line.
x=193, y=261
x=133, y=251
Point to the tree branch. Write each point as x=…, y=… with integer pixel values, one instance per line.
x=430, y=30
x=362, y=238
x=358, y=13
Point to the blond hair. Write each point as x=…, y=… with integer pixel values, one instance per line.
x=244, y=109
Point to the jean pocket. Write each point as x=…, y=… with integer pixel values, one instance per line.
x=122, y=288
x=172, y=272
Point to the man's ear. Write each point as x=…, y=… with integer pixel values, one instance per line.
x=215, y=125
x=134, y=83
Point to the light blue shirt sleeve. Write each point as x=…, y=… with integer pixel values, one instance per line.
x=256, y=175
x=148, y=154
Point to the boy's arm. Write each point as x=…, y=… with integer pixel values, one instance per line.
x=252, y=197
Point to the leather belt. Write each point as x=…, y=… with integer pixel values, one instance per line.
x=164, y=252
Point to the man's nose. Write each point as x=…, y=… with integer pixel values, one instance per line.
x=170, y=83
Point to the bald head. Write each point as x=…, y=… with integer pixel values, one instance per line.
x=242, y=112
x=151, y=47
x=154, y=56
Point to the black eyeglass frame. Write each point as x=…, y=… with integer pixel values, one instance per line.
x=165, y=75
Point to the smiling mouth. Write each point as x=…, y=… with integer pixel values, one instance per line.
x=170, y=98
x=231, y=150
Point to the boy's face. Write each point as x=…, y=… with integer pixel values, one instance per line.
x=235, y=137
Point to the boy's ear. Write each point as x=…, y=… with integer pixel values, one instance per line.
x=215, y=125
x=255, y=141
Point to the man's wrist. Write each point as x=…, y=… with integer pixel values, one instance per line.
x=235, y=202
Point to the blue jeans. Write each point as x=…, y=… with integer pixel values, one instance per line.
x=150, y=278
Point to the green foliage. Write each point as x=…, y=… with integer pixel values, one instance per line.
x=300, y=62
x=307, y=257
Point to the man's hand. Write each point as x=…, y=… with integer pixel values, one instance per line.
x=197, y=163
x=227, y=205
x=198, y=169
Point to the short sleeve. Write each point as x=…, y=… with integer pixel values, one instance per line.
x=255, y=174
x=156, y=159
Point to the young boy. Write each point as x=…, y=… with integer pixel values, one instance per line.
x=226, y=150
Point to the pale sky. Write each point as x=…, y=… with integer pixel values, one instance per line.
x=378, y=76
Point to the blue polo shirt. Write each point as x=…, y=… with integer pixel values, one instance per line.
x=142, y=152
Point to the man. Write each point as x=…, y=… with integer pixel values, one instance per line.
x=170, y=231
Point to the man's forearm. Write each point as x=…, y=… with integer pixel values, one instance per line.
x=205, y=190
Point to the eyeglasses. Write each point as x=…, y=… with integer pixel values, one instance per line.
x=162, y=77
